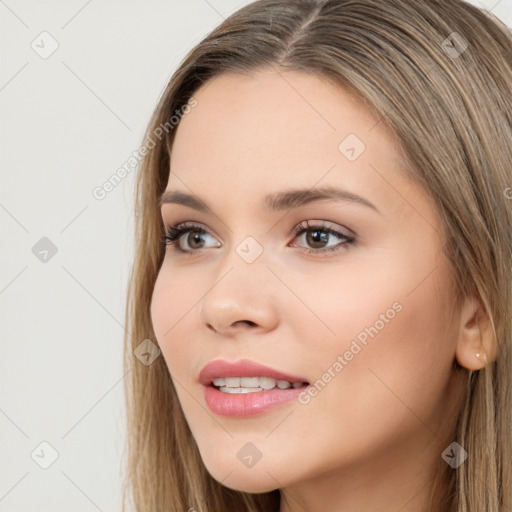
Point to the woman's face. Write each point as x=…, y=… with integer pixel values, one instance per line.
x=362, y=313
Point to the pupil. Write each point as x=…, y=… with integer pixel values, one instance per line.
x=197, y=237
x=317, y=237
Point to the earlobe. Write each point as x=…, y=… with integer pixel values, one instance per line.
x=476, y=346
x=483, y=356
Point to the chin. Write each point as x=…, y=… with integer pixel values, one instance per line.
x=234, y=475
x=250, y=484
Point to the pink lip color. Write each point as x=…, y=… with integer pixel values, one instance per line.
x=245, y=404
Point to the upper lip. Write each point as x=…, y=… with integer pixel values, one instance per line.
x=242, y=368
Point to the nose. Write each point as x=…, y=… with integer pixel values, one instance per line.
x=240, y=300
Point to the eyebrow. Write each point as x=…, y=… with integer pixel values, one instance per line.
x=285, y=200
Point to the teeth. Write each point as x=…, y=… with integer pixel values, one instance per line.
x=251, y=384
x=239, y=390
x=232, y=382
x=267, y=382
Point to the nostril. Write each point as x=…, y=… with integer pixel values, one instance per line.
x=248, y=322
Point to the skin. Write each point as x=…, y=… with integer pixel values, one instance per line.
x=380, y=424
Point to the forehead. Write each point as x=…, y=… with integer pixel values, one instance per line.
x=271, y=130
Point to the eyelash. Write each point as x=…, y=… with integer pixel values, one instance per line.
x=173, y=233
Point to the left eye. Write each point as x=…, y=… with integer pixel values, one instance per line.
x=317, y=237
x=191, y=238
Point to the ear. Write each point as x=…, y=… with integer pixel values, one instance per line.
x=476, y=336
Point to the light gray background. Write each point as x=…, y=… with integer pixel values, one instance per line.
x=68, y=122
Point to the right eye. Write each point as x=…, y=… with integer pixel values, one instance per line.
x=194, y=240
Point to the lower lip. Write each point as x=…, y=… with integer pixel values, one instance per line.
x=248, y=404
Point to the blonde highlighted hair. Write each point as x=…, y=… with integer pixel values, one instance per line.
x=439, y=74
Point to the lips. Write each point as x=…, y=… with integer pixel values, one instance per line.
x=242, y=368
x=242, y=402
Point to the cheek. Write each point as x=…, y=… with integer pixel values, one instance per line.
x=174, y=295
x=394, y=299
x=163, y=304
x=386, y=340
x=391, y=357
x=170, y=309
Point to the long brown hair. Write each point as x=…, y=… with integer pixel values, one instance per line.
x=439, y=74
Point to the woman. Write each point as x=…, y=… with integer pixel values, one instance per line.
x=322, y=276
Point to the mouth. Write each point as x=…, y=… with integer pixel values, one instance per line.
x=246, y=376
x=245, y=388
x=252, y=384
